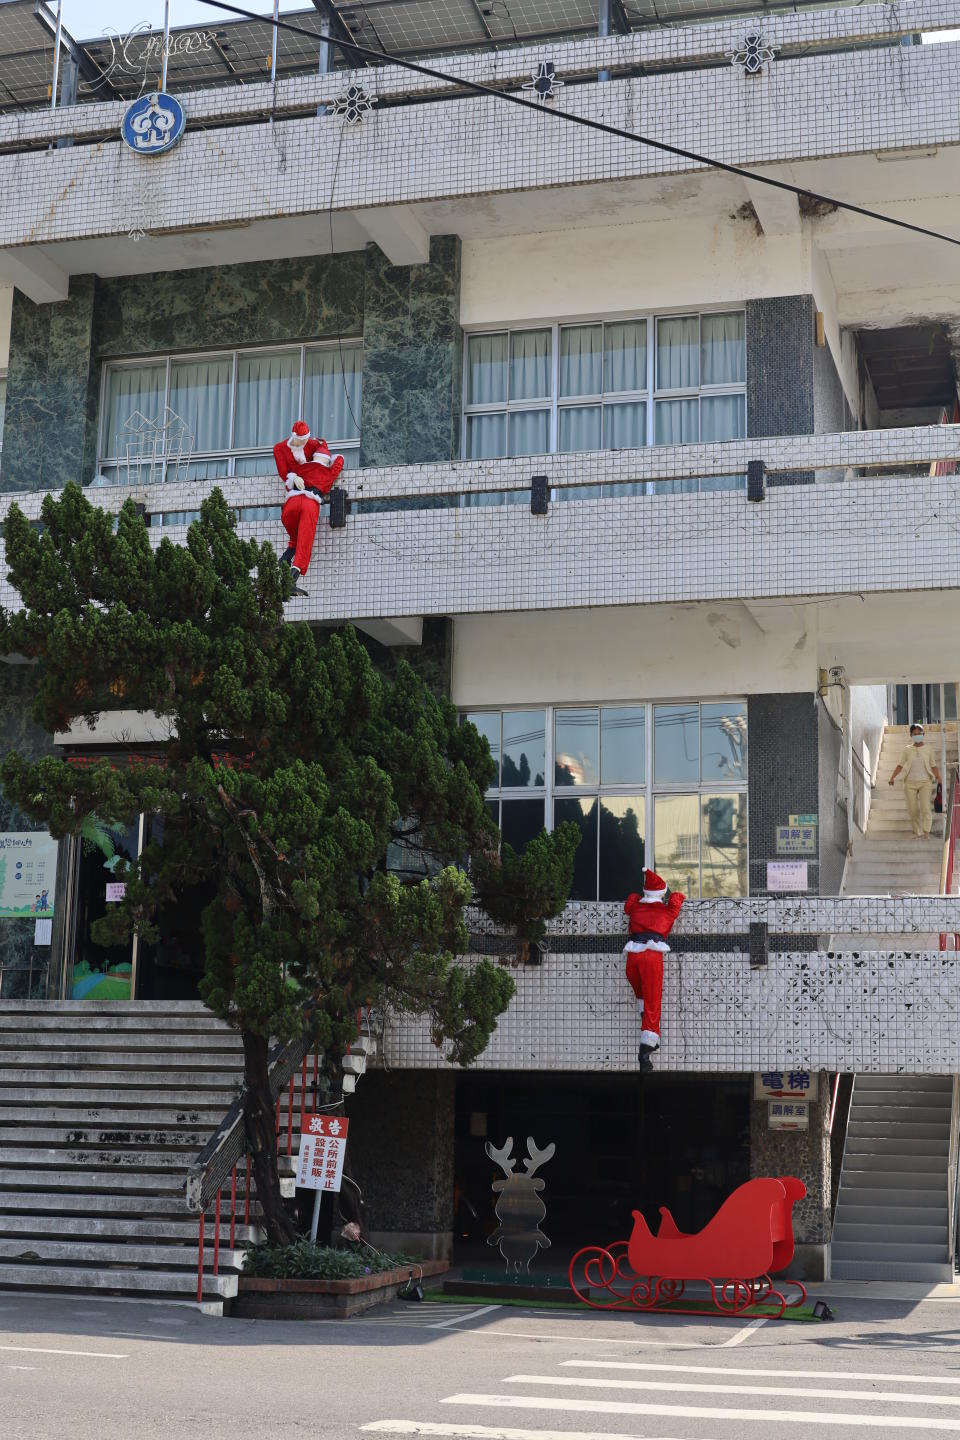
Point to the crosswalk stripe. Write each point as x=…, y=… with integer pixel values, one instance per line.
x=684, y=1387
x=493, y=1432
x=692, y=1369
x=701, y=1412
x=459, y=1318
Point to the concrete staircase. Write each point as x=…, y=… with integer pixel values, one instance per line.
x=891, y=1220
x=887, y=860
x=103, y=1106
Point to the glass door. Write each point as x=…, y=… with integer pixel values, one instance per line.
x=101, y=972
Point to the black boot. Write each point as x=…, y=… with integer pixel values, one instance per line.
x=646, y=1064
x=287, y=557
x=297, y=590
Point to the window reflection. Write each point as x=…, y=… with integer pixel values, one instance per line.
x=676, y=744
x=623, y=756
x=524, y=748
x=622, y=827
x=576, y=748
x=723, y=740
x=583, y=814
x=723, y=853
x=677, y=830
x=520, y=822
x=488, y=723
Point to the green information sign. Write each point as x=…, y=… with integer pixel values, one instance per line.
x=28, y=872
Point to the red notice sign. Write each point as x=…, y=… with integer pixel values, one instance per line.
x=323, y=1143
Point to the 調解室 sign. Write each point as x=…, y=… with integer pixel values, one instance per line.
x=796, y=839
x=28, y=873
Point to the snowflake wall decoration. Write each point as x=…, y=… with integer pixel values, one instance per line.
x=753, y=54
x=544, y=82
x=353, y=104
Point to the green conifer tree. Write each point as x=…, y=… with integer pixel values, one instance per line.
x=291, y=769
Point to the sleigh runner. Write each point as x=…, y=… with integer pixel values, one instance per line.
x=749, y=1240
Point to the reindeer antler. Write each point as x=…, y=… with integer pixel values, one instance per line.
x=502, y=1156
x=535, y=1157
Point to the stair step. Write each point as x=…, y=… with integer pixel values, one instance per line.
x=140, y=1024
x=878, y=1210
x=897, y=1182
x=870, y=1081
x=205, y=1117
x=915, y=1271
x=49, y=1062
x=216, y=1098
x=901, y=1249
x=94, y=1079
x=129, y=1181
x=182, y=1138
x=24, y=1249
x=885, y=1119
x=98, y=1156
x=94, y=1045
x=115, y=1009
x=82, y=1227
x=885, y=1145
x=877, y=1234
x=63, y=1277
x=917, y=1165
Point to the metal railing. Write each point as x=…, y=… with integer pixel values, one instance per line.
x=861, y=788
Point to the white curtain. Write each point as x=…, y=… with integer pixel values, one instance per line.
x=268, y=398
x=723, y=417
x=678, y=353
x=331, y=394
x=723, y=359
x=530, y=365
x=486, y=436
x=625, y=426
x=529, y=432
x=676, y=422
x=129, y=389
x=200, y=395
x=581, y=363
x=580, y=427
x=487, y=369
x=625, y=356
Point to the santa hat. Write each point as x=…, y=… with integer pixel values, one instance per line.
x=299, y=435
x=653, y=887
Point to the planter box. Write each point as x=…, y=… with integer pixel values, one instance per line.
x=262, y=1299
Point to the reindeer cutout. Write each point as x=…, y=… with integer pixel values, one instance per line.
x=519, y=1207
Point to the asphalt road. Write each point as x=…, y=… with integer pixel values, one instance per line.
x=80, y=1369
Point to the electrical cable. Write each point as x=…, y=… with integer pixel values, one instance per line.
x=477, y=88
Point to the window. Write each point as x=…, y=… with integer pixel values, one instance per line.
x=233, y=408
x=660, y=784
x=621, y=384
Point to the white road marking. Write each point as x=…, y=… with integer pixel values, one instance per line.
x=684, y=1387
x=19, y=1367
x=607, y=1340
x=492, y=1432
x=84, y=1354
x=702, y=1412
x=741, y=1335
x=461, y=1319
x=692, y=1369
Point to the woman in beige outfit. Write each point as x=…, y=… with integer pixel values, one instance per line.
x=919, y=772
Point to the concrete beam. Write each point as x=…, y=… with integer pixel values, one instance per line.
x=38, y=277
x=398, y=232
x=404, y=630
x=777, y=210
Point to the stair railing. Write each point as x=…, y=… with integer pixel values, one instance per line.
x=953, y=1174
x=951, y=836
x=846, y=1138
x=860, y=786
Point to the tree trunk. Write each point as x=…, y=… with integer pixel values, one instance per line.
x=260, y=1120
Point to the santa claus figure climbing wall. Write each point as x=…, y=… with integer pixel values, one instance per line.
x=651, y=916
x=308, y=472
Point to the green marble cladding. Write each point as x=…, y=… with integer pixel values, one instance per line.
x=408, y=317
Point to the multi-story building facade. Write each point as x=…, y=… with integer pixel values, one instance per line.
x=731, y=404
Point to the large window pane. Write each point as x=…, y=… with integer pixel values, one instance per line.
x=530, y=364
x=622, y=829
x=520, y=822
x=581, y=360
x=723, y=359
x=678, y=353
x=676, y=745
x=580, y=428
x=486, y=436
x=583, y=814
x=130, y=389
x=677, y=841
x=268, y=398
x=723, y=740
x=576, y=748
x=331, y=392
x=724, y=845
x=524, y=748
x=262, y=464
x=200, y=395
x=723, y=417
x=529, y=432
x=623, y=754
x=487, y=369
x=488, y=723
x=677, y=422
x=625, y=425
x=625, y=355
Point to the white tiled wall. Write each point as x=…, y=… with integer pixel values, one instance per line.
x=882, y=1012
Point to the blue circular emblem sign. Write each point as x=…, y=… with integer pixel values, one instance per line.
x=153, y=123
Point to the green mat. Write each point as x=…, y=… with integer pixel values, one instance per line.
x=752, y=1312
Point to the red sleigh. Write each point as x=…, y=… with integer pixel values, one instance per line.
x=748, y=1240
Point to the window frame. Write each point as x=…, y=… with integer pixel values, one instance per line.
x=649, y=788
x=648, y=396
x=108, y=461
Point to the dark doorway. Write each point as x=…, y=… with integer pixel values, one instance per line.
x=622, y=1144
x=171, y=968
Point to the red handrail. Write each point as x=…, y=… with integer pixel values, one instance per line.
x=953, y=834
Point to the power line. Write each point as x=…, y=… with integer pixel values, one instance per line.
x=477, y=88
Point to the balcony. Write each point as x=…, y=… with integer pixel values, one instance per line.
x=873, y=1011
x=415, y=167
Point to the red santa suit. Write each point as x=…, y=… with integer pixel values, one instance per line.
x=308, y=472
x=651, y=916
